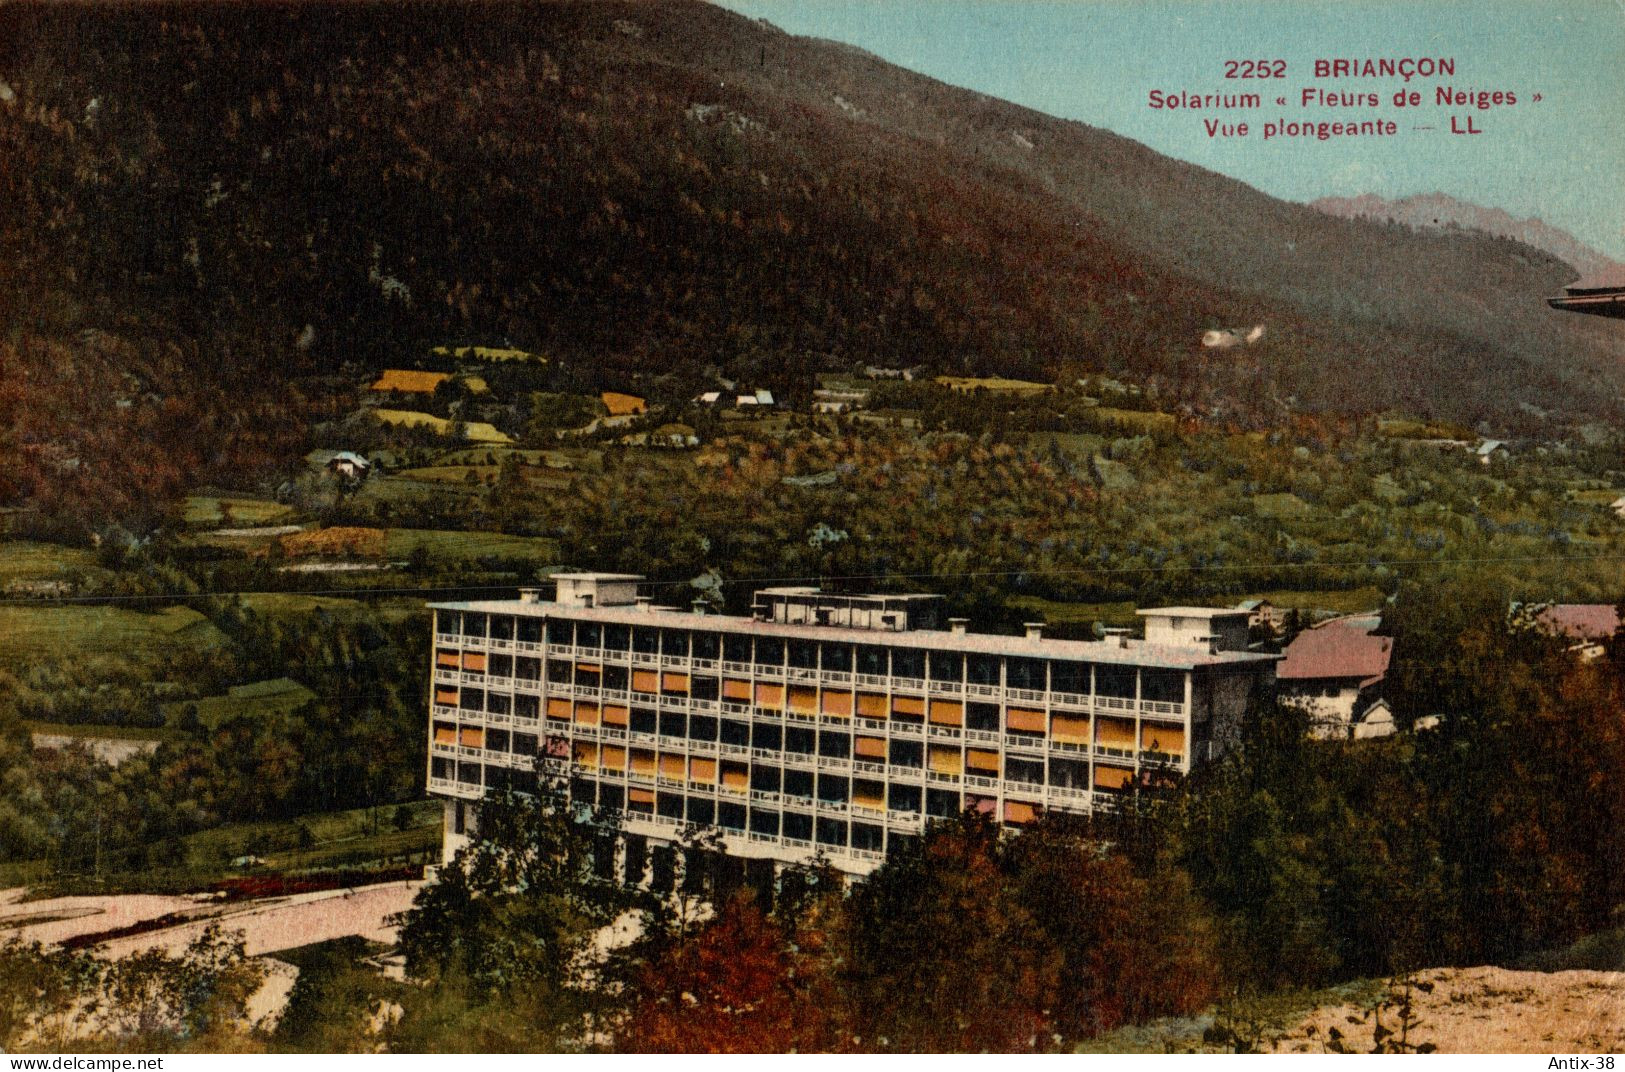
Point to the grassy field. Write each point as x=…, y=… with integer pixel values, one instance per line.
x=295, y=605
x=43, y=632
x=473, y=431
x=968, y=384
x=444, y=545
x=259, y=699
x=1259, y=1019
x=212, y=510
x=24, y=561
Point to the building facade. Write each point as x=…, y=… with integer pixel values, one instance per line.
x=821, y=722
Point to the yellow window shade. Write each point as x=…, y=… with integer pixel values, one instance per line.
x=641, y=796
x=1024, y=720
x=614, y=757
x=770, y=696
x=1112, y=777
x=1116, y=732
x=702, y=770
x=471, y=737
x=643, y=762
x=1070, y=728
x=733, y=689
x=445, y=696
x=586, y=753
x=1017, y=812
x=868, y=795
x=448, y=658
x=645, y=681
x=947, y=712
x=837, y=703
x=871, y=747
x=472, y=661
x=907, y=706
x=803, y=698
x=1162, y=738
x=871, y=705
x=979, y=759
x=558, y=707
x=946, y=760
x=670, y=682
x=672, y=766
x=587, y=713
x=445, y=734
x=735, y=776
x=589, y=668
x=615, y=714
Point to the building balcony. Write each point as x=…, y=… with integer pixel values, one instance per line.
x=981, y=781
x=943, y=778
x=834, y=763
x=864, y=766
x=951, y=733
x=907, y=729
x=1023, y=743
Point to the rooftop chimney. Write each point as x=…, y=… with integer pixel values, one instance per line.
x=956, y=626
x=530, y=595
x=699, y=606
x=1035, y=630
x=643, y=603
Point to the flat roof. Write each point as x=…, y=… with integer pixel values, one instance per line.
x=1137, y=653
x=1192, y=612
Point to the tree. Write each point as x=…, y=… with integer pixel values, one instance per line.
x=943, y=956
x=508, y=921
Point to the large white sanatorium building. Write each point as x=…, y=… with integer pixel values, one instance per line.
x=840, y=723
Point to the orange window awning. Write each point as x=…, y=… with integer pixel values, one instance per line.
x=589, y=668
x=702, y=770
x=946, y=760
x=614, y=757
x=616, y=715
x=643, y=762
x=444, y=734
x=1017, y=812
x=645, y=681
x=803, y=698
x=1070, y=728
x=734, y=689
x=1112, y=777
x=1115, y=732
x=907, y=706
x=448, y=658
x=770, y=697
x=672, y=766
x=446, y=696
x=473, y=661
x=1162, y=738
x=1024, y=720
x=838, y=704
x=735, y=776
x=558, y=707
x=586, y=713
x=586, y=753
x=980, y=759
x=868, y=795
x=870, y=747
x=947, y=713
x=641, y=796
x=871, y=705
x=471, y=737
x=671, y=682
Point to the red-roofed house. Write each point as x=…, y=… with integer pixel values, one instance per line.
x=1588, y=625
x=1336, y=671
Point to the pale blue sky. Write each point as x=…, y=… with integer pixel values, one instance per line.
x=1562, y=159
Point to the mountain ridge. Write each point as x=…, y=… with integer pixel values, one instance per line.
x=253, y=200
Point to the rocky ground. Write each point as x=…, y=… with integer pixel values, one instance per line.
x=1482, y=1010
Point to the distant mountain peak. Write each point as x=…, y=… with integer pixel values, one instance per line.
x=1440, y=210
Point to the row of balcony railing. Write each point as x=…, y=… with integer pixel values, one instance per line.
x=891, y=683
